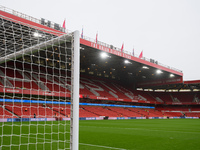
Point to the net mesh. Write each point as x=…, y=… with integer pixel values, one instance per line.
x=35, y=87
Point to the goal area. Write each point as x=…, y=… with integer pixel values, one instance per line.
x=39, y=87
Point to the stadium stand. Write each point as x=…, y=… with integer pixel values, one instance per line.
x=4, y=113
x=173, y=114
x=162, y=96
x=102, y=111
x=96, y=89
x=91, y=87
x=28, y=111
x=183, y=97
x=61, y=109
x=192, y=114
x=125, y=112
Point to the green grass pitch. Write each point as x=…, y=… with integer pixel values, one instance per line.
x=156, y=134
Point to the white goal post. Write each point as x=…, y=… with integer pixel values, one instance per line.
x=39, y=87
x=75, y=92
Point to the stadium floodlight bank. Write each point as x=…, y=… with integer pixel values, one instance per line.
x=38, y=65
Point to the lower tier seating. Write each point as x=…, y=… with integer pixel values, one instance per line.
x=26, y=110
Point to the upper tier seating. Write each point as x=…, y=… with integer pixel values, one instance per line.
x=95, y=87
x=164, y=96
x=184, y=96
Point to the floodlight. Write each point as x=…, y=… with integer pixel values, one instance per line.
x=126, y=62
x=81, y=48
x=36, y=34
x=145, y=67
x=171, y=75
x=104, y=55
x=159, y=72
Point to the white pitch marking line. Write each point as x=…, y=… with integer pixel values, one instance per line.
x=102, y=146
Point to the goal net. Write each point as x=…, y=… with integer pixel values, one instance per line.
x=39, y=87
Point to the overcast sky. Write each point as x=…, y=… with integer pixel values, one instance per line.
x=166, y=30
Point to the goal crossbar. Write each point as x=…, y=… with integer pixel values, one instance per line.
x=37, y=47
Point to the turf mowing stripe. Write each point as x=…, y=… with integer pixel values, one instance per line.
x=142, y=129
